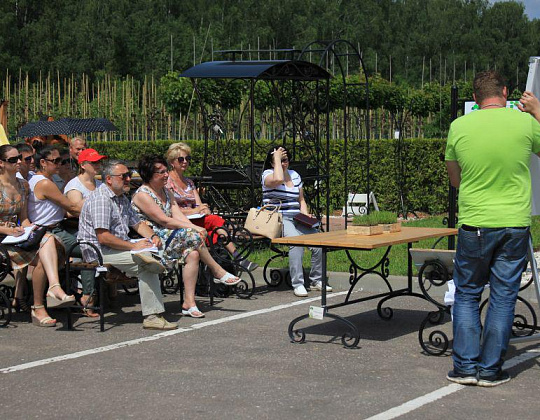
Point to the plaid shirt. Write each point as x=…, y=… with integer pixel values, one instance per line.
x=103, y=209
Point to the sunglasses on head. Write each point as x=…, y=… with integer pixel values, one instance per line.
x=125, y=175
x=13, y=159
x=182, y=158
x=55, y=161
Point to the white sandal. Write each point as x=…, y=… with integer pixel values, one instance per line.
x=191, y=312
x=227, y=276
x=54, y=302
x=44, y=322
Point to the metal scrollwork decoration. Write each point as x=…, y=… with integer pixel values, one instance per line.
x=5, y=310
x=5, y=263
x=381, y=268
x=219, y=238
x=437, y=343
x=171, y=280
x=433, y=273
x=523, y=326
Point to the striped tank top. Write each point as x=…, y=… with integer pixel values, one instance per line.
x=289, y=196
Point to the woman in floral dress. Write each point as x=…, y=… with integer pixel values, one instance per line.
x=183, y=241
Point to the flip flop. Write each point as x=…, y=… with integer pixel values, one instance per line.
x=228, y=276
x=191, y=312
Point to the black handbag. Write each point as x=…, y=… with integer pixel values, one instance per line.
x=34, y=240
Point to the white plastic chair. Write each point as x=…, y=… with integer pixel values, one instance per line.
x=357, y=204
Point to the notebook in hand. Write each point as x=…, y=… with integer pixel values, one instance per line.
x=306, y=220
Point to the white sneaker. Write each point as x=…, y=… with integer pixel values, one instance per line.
x=318, y=286
x=300, y=291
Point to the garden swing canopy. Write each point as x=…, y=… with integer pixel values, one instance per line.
x=262, y=70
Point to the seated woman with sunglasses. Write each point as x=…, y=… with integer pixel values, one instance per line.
x=13, y=206
x=185, y=193
x=183, y=241
x=47, y=206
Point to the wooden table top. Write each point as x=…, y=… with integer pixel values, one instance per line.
x=340, y=238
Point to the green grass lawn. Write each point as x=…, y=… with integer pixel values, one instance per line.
x=338, y=261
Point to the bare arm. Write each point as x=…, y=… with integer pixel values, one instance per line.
x=75, y=196
x=454, y=172
x=277, y=177
x=303, y=205
x=530, y=104
x=23, y=215
x=106, y=238
x=202, y=208
x=154, y=213
x=47, y=190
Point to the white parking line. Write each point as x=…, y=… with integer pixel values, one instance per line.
x=444, y=391
x=158, y=336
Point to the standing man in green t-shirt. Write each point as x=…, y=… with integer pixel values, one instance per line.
x=487, y=157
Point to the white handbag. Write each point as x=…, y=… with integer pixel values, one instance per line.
x=265, y=221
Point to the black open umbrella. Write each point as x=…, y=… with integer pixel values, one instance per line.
x=66, y=126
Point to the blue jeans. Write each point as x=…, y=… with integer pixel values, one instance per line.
x=497, y=256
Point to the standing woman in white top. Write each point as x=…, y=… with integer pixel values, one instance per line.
x=283, y=185
x=76, y=190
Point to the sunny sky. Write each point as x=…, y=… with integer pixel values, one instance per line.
x=532, y=7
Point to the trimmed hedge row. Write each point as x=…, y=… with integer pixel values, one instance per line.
x=424, y=185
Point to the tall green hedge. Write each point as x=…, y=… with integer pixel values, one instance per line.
x=425, y=184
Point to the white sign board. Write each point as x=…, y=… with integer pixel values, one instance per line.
x=473, y=106
x=533, y=85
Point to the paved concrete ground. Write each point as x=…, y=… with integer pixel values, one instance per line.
x=238, y=363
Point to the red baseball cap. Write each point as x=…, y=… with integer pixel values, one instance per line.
x=89, y=155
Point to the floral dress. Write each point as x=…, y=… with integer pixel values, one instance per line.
x=178, y=243
x=9, y=211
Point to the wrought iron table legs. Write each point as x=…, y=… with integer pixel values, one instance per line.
x=352, y=337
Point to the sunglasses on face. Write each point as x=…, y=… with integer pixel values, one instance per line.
x=29, y=159
x=125, y=175
x=182, y=158
x=64, y=161
x=13, y=159
x=162, y=172
x=284, y=160
x=55, y=161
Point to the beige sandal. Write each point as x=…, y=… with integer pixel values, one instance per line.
x=45, y=322
x=54, y=302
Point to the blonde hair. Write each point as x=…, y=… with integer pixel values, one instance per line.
x=74, y=139
x=175, y=149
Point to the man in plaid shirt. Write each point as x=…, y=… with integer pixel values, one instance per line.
x=105, y=220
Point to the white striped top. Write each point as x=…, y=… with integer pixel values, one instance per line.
x=289, y=196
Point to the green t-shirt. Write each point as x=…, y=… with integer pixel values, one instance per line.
x=493, y=148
